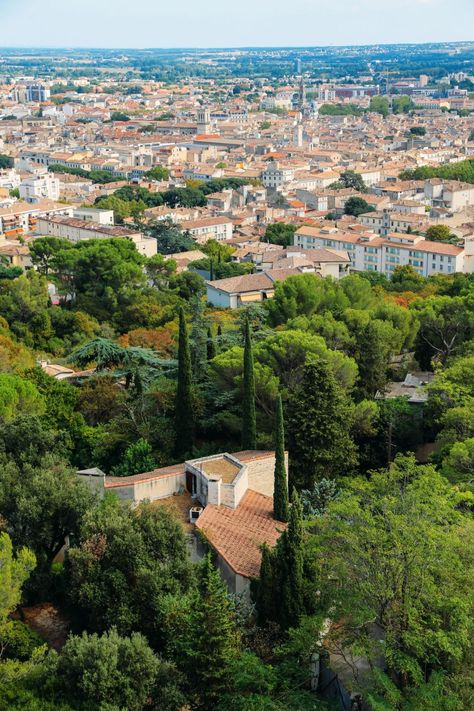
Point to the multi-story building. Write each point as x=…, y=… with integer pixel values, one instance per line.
x=274, y=175
x=370, y=252
x=39, y=187
x=22, y=218
x=218, y=228
x=37, y=93
x=386, y=221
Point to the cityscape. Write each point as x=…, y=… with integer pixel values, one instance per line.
x=237, y=363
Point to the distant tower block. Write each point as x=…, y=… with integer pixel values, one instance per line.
x=203, y=121
x=297, y=66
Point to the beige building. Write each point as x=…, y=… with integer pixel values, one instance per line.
x=218, y=228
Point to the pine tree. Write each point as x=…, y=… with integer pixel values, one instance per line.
x=215, y=637
x=184, y=414
x=249, y=427
x=211, y=345
x=280, y=492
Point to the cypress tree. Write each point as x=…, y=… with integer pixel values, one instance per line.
x=184, y=415
x=211, y=345
x=249, y=426
x=280, y=491
x=265, y=599
x=198, y=340
x=290, y=559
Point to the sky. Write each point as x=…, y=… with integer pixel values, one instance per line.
x=227, y=23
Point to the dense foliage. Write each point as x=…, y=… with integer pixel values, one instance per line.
x=375, y=551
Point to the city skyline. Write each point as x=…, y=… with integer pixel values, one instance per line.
x=209, y=24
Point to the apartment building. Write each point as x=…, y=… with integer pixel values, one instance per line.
x=370, y=252
x=218, y=228
x=450, y=194
x=274, y=175
x=39, y=187
x=22, y=217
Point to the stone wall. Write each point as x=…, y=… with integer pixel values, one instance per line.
x=261, y=474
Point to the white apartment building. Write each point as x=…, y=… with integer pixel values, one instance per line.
x=383, y=254
x=21, y=217
x=451, y=194
x=94, y=214
x=274, y=175
x=218, y=228
x=40, y=187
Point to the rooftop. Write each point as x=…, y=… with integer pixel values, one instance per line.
x=237, y=534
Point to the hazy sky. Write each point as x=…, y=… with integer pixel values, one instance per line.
x=221, y=23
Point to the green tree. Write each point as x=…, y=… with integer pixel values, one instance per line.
x=418, y=131
x=211, y=345
x=280, y=493
x=319, y=417
x=351, y=179
x=184, y=406
x=127, y=563
x=445, y=324
x=280, y=593
x=119, y=116
x=95, y=672
x=357, y=206
x=249, y=423
x=14, y=571
x=41, y=506
x=280, y=233
x=458, y=465
x=440, y=233
x=215, y=641
x=402, y=105
x=380, y=105
x=137, y=459
x=5, y=162
x=158, y=172
x=159, y=270
x=397, y=554
x=19, y=396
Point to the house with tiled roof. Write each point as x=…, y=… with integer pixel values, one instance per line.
x=228, y=498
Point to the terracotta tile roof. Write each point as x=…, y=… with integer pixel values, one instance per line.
x=237, y=534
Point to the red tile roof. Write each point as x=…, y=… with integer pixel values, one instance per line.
x=237, y=534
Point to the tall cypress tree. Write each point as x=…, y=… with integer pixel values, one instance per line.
x=265, y=598
x=198, y=340
x=280, y=592
x=211, y=345
x=280, y=492
x=184, y=414
x=249, y=426
x=290, y=558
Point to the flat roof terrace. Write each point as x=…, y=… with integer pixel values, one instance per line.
x=220, y=467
